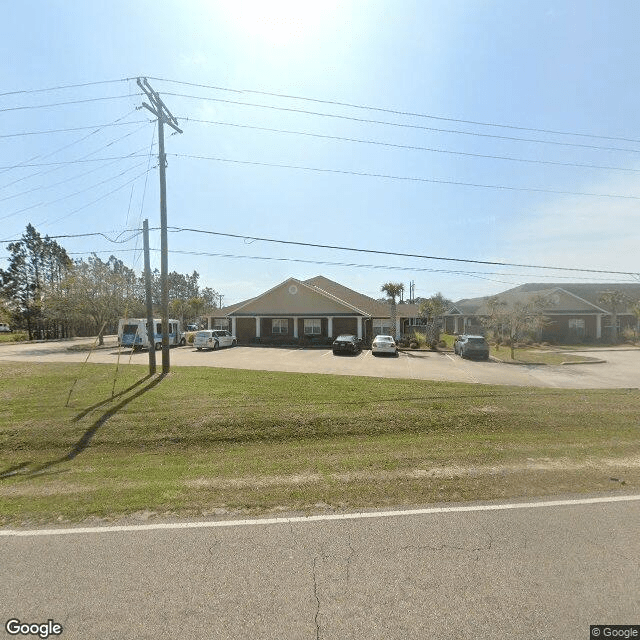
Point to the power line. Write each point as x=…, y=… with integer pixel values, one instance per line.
x=71, y=195
x=69, y=129
x=406, y=178
x=63, y=104
x=60, y=182
x=91, y=234
x=412, y=114
x=479, y=274
x=405, y=125
x=65, y=86
x=394, y=253
x=351, y=105
x=410, y=147
x=63, y=148
x=102, y=197
x=352, y=249
x=77, y=161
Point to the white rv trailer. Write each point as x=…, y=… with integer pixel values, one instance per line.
x=132, y=332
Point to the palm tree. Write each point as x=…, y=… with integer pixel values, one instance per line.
x=393, y=290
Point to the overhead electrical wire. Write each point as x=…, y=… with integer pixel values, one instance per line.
x=102, y=197
x=479, y=274
x=70, y=129
x=71, y=195
x=79, y=161
x=70, y=102
x=350, y=105
x=386, y=176
x=393, y=253
x=400, y=112
x=63, y=148
x=135, y=233
x=65, y=86
x=60, y=182
x=408, y=146
x=405, y=125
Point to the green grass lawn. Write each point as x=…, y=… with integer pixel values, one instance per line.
x=14, y=336
x=80, y=441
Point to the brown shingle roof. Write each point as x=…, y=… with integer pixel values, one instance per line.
x=369, y=306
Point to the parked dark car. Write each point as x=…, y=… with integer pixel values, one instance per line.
x=471, y=347
x=347, y=344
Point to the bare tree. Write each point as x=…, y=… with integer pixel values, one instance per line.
x=615, y=301
x=516, y=317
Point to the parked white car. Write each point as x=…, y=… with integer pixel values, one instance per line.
x=4, y=328
x=384, y=344
x=213, y=339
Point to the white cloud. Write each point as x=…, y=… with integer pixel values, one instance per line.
x=582, y=231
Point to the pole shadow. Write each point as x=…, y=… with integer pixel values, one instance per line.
x=85, y=440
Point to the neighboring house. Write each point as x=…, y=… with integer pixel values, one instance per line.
x=574, y=311
x=316, y=308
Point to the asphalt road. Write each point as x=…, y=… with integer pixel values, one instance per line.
x=621, y=369
x=546, y=572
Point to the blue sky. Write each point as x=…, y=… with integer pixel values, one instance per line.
x=462, y=67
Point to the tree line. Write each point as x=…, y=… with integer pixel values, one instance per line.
x=49, y=295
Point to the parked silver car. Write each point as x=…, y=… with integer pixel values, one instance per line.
x=384, y=344
x=213, y=339
x=471, y=347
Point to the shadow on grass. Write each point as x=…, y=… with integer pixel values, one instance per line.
x=87, y=436
x=88, y=410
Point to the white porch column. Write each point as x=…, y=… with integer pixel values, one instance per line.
x=258, y=319
x=397, y=336
x=295, y=327
x=330, y=327
x=359, y=320
x=233, y=325
x=599, y=326
x=455, y=324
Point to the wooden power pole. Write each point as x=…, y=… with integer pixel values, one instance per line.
x=148, y=295
x=164, y=116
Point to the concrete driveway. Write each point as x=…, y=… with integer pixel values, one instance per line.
x=621, y=369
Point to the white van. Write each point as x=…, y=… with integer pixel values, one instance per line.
x=4, y=328
x=132, y=332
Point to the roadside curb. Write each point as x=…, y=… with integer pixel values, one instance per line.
x=587, y=362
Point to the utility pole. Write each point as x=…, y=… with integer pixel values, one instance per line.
x=164, y=116
x=147, y=287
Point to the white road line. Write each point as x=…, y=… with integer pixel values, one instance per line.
x=322, y=518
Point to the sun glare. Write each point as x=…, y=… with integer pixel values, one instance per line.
x=278, y=21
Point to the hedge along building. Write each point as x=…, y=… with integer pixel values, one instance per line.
x=573, y=312
x=314, y=309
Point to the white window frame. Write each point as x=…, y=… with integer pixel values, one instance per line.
x=279, y=326
x=312, y=326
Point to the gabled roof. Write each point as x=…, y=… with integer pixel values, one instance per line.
x=330, y=297
x=371, y=307
x=563, y=298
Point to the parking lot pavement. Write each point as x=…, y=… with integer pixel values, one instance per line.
x=620, y=370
